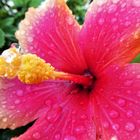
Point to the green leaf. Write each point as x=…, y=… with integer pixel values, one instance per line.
x=20, y=3
x=34, y=3
x=2, y=38
x=137, y=59
x=6, y=22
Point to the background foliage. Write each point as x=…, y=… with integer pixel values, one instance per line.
x=11, y=13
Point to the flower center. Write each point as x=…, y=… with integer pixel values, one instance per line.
x=31, y=69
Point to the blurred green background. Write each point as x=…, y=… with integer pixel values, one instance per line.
x=11, y=13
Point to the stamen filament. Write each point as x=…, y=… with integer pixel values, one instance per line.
x=79, y=79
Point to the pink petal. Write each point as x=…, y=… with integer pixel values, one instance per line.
x=71, y=120
x=111, y=33
x=51, y=32
x=21, y=104
x=117, y=104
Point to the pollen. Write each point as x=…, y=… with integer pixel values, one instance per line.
x=31, y=69
x=28, y=68
x=10, y=61
x=34, y=70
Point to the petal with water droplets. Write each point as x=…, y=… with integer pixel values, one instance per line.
x=21, y=103
x=51, y=32
x=111, y=33
x=116, y=104
x=71, y=120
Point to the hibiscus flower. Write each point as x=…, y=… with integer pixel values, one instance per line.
x=75, y=81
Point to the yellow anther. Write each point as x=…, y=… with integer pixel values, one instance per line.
x=34, y=70
x=31, y=69
x=10, y=61
x=3, y=66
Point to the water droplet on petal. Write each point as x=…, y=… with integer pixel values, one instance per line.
x=17, y=101
x=36, y=135
x=130, y=113
x=138, y=93
x=48, y=103
x=136, y=3
x=101, y=21
x=114, y=114
x=127, y=23
x=138, y=76
x=4, y=119
x=114, y=138
x=19, y=92
x=69, y=20
x=105, y=124
x=57, y=136
x=68, y=137
x=115, y=1
x=121, y=102
x=115, y=126
x=8, y=55
x=113, y=20
x=30, y=39
x=129, y=127
x=101, y=2
x=80, y=129
x=128, y=82
x=83, y=116
x=112, y=8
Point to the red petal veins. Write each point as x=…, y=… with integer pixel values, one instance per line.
x=111, y=33
x=71, y=120
x=51, y=32
x=116, y=104
x=21, y=103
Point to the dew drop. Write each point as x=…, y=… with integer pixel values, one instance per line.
x=101, y=21
x=101, y=2
x=113, y=20
x=138, y=76
x=121, y=102
x=80, y=129
x=105, y=124
x=136, y=3
x=30, y=39
x=127, y=23
x=69, y=20
x=17, y=101
x=48, y=103
x=138, y=93
x=57, y=136
x=8, y=55
x=129, y=127
x=130, y=113
x=114, y=138
x=69, y=137
x=115, y=1
x=83, y=116
x=112, y=8
x=114, y=114
x=128, y=82
x=36, y=135
x=4, y=119
x=115, y=126
x=19, y=92
x=12, y=107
